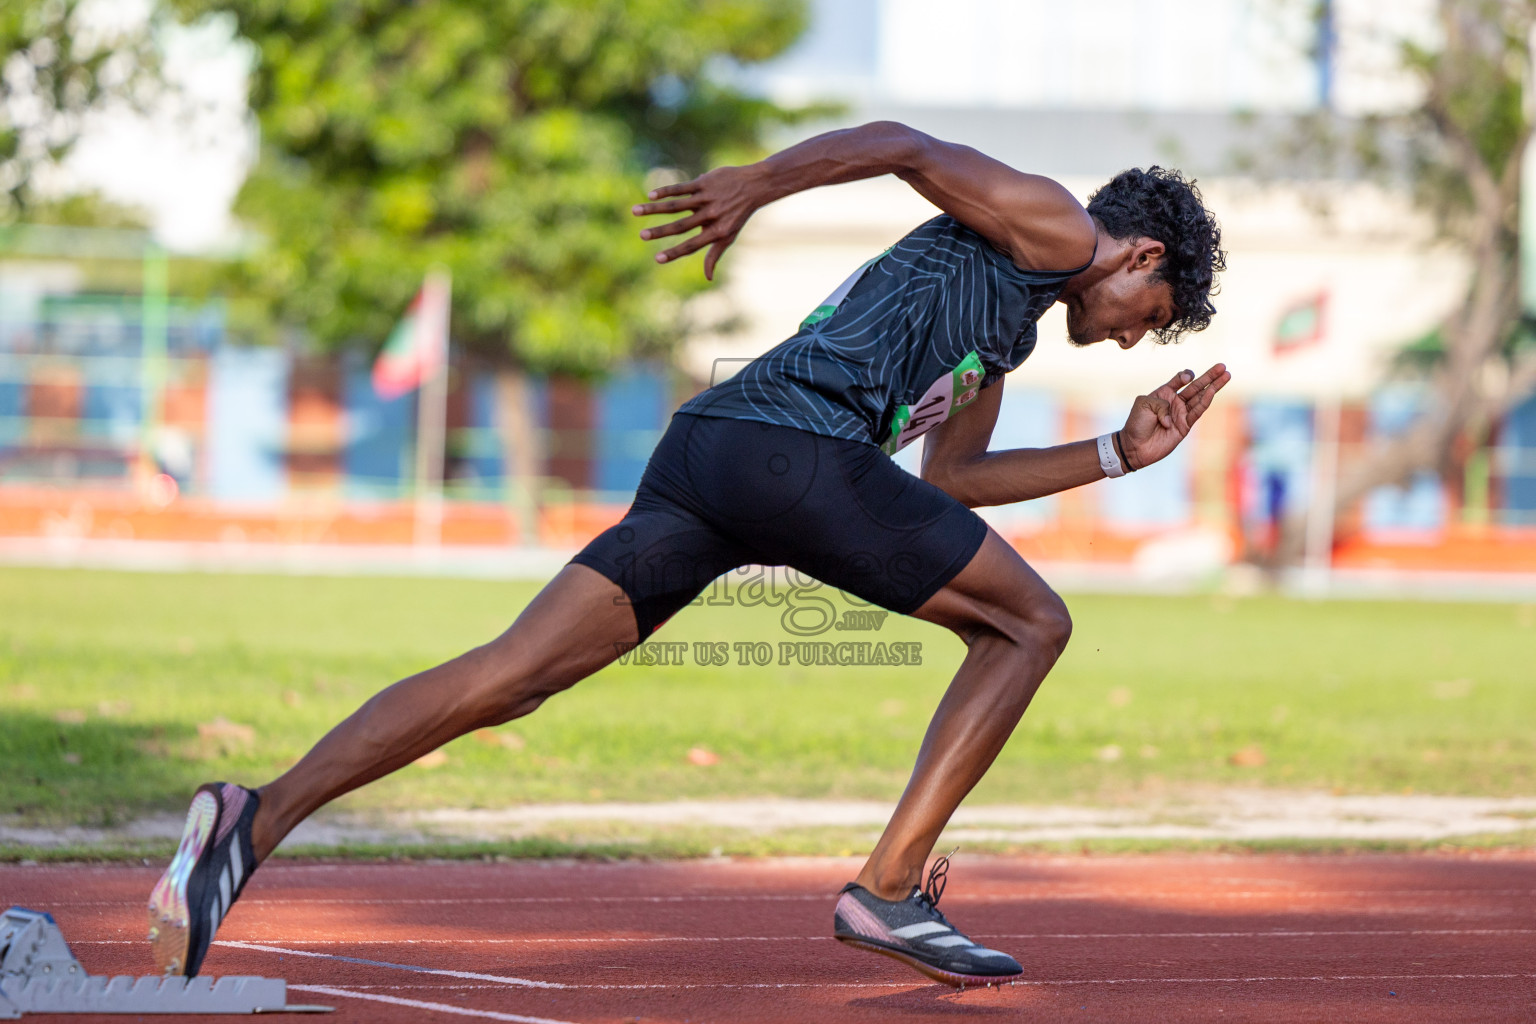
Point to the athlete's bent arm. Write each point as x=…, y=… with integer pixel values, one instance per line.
x=956, y=459
x=1033, y=220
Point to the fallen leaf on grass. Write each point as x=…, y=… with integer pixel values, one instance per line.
x=436, y=759
x=113, y=708
x=71, y=758
x=220, y=738
x=703, y=757
x=69, y=716
x=223, y=729
x=507, y=740
x=1248, y=757
x=1451, y=689
x=292, y=698
x=1109, y=753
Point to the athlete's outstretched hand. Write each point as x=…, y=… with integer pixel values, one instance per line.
x=1159, y=421
x=720, y=202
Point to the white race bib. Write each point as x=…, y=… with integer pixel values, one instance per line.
x=957, y=388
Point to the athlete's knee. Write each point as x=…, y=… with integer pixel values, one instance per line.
x=1042, y=622
x=1055, y=622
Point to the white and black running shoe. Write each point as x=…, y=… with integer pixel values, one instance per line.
x=205, y=877
x=916, y=933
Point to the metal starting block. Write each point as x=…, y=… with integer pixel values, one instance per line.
x=38, y=974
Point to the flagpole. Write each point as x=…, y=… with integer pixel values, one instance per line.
x=432, y=417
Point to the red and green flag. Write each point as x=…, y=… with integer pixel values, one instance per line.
x=418, y=346
x=1302, y=324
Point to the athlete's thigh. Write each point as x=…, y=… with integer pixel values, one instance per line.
x=996, y=590
x=875, y=531
x=577, y=624
x=670, y=545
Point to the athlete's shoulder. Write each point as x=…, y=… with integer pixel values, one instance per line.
x=1048, y=248
x=1048, y=229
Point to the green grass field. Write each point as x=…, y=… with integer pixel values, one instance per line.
x=106, y=678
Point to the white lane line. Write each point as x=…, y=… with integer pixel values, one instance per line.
x=524, y=982
x=469, y=975
x=462, y=1011
x=456, y=900
x=1019, y=983
x=1041, y=894
x=1017, y=936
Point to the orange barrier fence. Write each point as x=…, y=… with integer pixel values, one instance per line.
x=55, y=514
x=123, y=516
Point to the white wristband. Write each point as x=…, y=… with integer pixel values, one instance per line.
x=1109, y=459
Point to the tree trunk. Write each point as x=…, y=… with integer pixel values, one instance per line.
x=522, y=450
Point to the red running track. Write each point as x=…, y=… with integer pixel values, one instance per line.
x=1144, y=939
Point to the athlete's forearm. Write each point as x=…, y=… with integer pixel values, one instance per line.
x=1017, y=474
x=868, y=151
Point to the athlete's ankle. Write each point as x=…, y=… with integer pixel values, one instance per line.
x=887, y=884
x=266, y=831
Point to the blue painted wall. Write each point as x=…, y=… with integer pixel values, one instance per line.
x=378, y=457
x=1279, y=459
x=632, y=409
x=481, y=462
x=247, y=423
x=1421, y=504
x=1517, y=464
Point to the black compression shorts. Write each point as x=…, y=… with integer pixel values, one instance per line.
x=722, y=493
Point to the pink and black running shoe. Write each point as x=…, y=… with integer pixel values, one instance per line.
x=205, y=877
x=916, y=933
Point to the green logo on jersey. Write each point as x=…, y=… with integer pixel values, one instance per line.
x=831, y=302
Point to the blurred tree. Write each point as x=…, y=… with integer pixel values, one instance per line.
x=503, y=139
x=1463, y=151
x=61, y=60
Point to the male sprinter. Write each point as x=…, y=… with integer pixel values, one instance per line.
x=786, y=464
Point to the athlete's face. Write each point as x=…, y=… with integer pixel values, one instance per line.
x=1123, y=306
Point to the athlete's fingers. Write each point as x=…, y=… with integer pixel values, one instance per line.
x=679, y=188
x=1203, y=400
x=1202, y=382
x=1179, y=379
x=692, y=245
x=713, y=256
x=1159, y=407
x=670, y=206
x=676, y=227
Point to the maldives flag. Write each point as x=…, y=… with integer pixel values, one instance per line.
x=1302, y=324
x=418, y=346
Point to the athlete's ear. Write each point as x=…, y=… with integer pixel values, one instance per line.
x=1145, y=254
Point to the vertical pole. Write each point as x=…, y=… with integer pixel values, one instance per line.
x=1477, y=486
x=432, y=413
x=152, y=344
x=521, y=458
x=1318, y=559
x=1327, y=46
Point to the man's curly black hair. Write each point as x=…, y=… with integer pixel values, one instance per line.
x=1161, y=204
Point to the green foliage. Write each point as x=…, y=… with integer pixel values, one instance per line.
x=105, y=679
x=1477, y=75
x=503, y=140
x=86, y=210
x=55, y=68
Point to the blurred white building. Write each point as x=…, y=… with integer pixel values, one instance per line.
x=1080, y=91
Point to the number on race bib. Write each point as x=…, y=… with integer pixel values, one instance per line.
x=953, y=391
